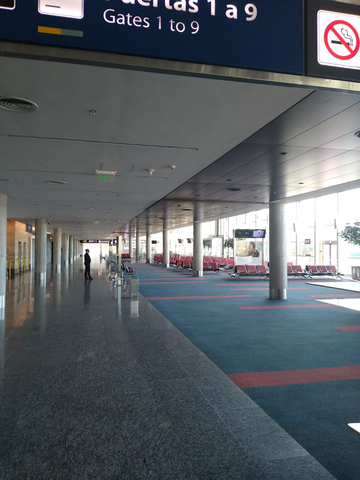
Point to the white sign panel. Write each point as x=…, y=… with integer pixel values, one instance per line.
x=338, y=39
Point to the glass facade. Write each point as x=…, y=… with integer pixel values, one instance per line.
x=314, y=226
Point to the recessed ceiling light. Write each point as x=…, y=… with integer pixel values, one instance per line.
x=16, y=104
x=5, y=180
x=357, y=134
x=233, y=189
x=228, y=179
x=301, y=183
x=56, y=182
x=186, y=209
x=69, y=205
x=283, y=153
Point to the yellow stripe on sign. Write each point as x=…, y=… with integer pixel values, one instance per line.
x=52, y=31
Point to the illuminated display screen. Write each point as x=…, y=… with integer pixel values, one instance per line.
x=258, y=34
x=244, y=233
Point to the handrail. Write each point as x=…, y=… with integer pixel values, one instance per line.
x=18, y=264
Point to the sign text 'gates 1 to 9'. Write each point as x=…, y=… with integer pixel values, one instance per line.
x=256, y=34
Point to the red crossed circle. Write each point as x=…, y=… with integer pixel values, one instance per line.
x=331, y=28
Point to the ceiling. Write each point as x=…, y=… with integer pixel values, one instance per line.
x=270, y=142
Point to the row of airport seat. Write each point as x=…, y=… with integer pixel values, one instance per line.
x=178, y=262
x=250, y=270
x=329, y=270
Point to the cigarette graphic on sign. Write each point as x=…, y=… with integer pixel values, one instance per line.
x=338, y=39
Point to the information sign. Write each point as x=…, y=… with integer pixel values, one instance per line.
x=254, y=34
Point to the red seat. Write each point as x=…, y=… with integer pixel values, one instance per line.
x=205, y=266
x=312, y=269
x=261, y=269
x=213, y=267
x=299, y=272
x=239, y=271
x=186, y=265
x=322, y=269
x=333, y=271
x=251, y=269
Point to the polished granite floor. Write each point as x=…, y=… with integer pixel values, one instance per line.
x=98, y=387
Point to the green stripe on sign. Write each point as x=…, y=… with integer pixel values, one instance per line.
x=72, y=33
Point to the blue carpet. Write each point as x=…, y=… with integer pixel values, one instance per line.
x=247, y=341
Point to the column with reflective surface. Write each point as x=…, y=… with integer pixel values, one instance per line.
x=137, y=252
x=71, y=249
x=119, y=252
x=57, y=249
x=40, y=250
x=3, y=266
x=198, y=250
x=148, y=248
x=166, y=252
x=65, y=249
x=277, y=251
x=130, y=245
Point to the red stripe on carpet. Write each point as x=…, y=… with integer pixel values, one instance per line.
x=295, y=288
x=168, y=283
x=292, y=377
x=316, y=305
x=245, y=284
x=190, y=298
x=336, y=295
x=160, y=279
x=350, y=328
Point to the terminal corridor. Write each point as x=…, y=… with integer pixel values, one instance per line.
x=94, y=387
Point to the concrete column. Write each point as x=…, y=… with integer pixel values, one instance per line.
x=65, y=249
x=3, y=266
x=148, y=248
x=131, y=245
x=277, y=252
x=137, y=252
x=119, y=251
x=71, y=249
x=198, y=249
x=57, y=249
x=40, y=251
x=166, y=252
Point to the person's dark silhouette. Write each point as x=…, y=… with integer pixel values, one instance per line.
x=87, y=262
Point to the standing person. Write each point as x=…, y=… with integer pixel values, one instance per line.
x=87, y=261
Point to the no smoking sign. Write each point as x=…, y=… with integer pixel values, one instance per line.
x=338, y=42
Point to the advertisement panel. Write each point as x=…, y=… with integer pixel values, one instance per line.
x=248, y=252
x=256, y=34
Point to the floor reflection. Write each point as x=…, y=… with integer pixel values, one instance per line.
x=87, y=297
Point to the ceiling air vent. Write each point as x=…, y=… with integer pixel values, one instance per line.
x=233, y=189
x=14, y=104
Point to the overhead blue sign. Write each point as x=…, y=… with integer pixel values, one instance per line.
x=263, y=35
